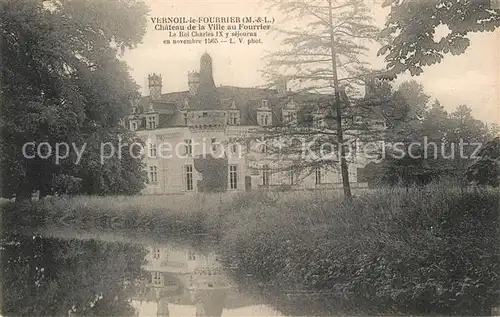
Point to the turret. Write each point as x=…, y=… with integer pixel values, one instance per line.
x=206, y=66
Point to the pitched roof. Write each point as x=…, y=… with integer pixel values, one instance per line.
x=246, y=100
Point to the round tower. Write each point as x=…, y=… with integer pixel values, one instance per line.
x=206, y=66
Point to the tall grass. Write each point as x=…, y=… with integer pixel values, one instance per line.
x=411, y=251
x=432, y=250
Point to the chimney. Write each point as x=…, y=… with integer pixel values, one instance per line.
x=193, y=82
x=155, y=86
x=281, y=87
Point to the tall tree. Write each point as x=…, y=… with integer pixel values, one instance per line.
x=62, y=82
x=412, y=26
x=325, y=55
x=444, y=146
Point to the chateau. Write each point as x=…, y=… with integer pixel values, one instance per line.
x=202, y=130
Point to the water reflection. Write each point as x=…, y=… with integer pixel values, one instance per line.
x=57, y=277
x=78, y=275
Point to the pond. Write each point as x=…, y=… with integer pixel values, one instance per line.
x=69, y=273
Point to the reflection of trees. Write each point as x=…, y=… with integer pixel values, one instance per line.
x=49, y=277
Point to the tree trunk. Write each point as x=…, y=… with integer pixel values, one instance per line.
x=340, y=136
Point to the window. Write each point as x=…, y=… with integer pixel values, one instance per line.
x=185, y=118
x=317, y=174
x=291, y=175
x=152, y=149
x=191, y=256
x=319, y=120
x=265, y=175
x=188, y=146
x=189, y=177
x=290, y=117
x=214, y=145
x=233, y=177
x=263, y=148
x=233, y=145
x=133, y=126
x=153, y=174
x=265, y=119
x=352, y=175
x=233, y=118
x=357, y=119
x=205, y=114
x=265, y=103
x=156, y=253
x=152, y=122
x=296, y=142
x=157, y=278
x=210, y=285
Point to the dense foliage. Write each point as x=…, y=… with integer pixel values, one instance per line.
x=486, y=169
x=62, y=82
x=411, y=26
x=425, y=143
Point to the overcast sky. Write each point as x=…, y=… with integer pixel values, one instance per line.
x=472, y=78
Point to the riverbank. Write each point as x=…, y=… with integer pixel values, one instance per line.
x=418, y=251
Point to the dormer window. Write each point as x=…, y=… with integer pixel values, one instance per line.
x=133, y=125
x=265, y=119
x=234, y=118
x=152, y=122
x=264, y=114
x=289, y=117
x=319, y=120
x=263, y=148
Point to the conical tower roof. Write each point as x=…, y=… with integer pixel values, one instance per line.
x=206, y=97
